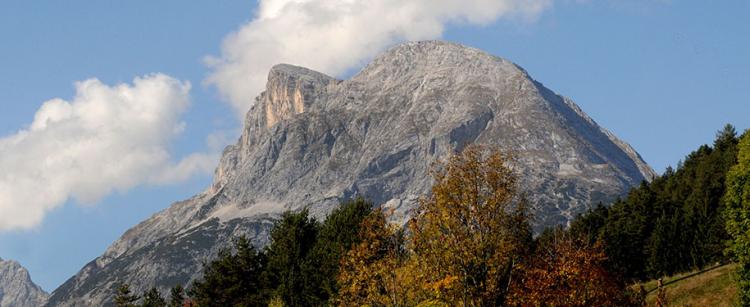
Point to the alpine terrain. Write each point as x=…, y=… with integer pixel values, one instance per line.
x=16, y=287
x=311, y=140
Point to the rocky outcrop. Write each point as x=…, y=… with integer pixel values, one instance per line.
x=16, y=287
x=311, y=140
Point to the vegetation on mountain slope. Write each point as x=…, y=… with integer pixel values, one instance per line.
x=469, y=243
x=714, y=286
x=737, y=215
x=672, y=224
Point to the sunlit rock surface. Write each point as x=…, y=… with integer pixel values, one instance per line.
x=311, y=140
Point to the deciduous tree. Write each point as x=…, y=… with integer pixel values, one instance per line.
x=374, y=272
x=566, y=271
x=737, y=216
x=470, y=232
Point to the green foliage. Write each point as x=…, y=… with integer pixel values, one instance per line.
x=289, y=266
x=152, y=298
x=304, y=255
x=737, y=216
x=672, y=224
x=587, y=226
x=298, y=267
x=177, y=296
x=337, y=235
x=233, y=278
x=469, y=244
x=125, y=297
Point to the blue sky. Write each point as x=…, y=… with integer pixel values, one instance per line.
x=662, y=75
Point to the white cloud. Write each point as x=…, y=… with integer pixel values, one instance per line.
x=333, y=36
x=106, y=139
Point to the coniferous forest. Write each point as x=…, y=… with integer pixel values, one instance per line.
x=672, y=224
x=469, y=243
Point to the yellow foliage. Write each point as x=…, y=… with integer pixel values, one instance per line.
x=472, y=228
x=468, y=246
x=374, y=272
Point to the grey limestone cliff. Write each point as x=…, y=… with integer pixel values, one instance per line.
x=16, y=287
x=312, y=140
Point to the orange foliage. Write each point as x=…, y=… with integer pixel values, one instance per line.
x=467, y=245
x=568, y=272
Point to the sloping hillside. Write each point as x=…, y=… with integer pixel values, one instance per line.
x=710, y=287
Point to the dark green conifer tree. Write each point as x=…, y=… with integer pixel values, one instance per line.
x=289, y=266
x=233, y=279
x=672, y=224
x=337, y=235
x=152, y=298
x=177, y=296
x=125, y=297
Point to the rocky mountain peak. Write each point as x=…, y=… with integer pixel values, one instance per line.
x=16, y=287
x=289, y=91
x=312, y=141
x=429, y=58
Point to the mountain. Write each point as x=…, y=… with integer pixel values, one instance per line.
x=16, y=287
x=312, y=140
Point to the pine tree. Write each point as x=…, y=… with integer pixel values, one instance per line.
x=177, y=296
x=589, y=225
x=673, y=223
x=152, y=298
x=337, y=235
x=233, y=278
x=737, y=216
x=125, y=297
x=661, y=249
x=289, y=265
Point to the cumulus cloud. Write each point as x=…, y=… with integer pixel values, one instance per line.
x=333, y=36
x=106, y=139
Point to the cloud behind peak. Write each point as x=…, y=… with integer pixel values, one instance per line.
x=333, y=36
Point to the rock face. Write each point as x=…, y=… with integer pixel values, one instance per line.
x=16, y=287
x=312, y=140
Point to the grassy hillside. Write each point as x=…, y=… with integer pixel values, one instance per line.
x=711, y=287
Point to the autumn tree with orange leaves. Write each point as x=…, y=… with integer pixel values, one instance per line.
x=469, y=244
x=567, y=271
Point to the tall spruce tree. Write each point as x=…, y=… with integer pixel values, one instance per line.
x=152, y=298
x=289, y=266
x=233, y=279
x=177, y=296
x=125, y=297
x=337, y=235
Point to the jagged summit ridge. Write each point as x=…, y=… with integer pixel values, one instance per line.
x=16, y=287
x=312, y=140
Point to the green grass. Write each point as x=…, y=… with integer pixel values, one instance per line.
x=710, y=287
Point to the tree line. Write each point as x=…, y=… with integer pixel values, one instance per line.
x=691, y=217
x=469, y=243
